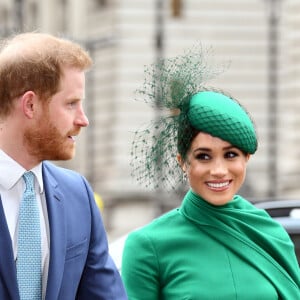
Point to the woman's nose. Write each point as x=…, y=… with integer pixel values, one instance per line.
x=219, y=168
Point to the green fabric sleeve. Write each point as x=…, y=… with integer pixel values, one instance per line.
x=140, y=266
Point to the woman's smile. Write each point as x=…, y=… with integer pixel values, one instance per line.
x=218, y=185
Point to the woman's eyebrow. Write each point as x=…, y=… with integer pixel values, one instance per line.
x=202, y=149
x=230, y=147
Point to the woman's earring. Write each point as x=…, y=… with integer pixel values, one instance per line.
x=184, y=177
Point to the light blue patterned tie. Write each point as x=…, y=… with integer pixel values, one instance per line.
x=28, y=263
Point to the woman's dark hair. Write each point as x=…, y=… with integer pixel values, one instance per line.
x=186, y=135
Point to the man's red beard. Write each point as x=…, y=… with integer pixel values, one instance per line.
x=45, y=142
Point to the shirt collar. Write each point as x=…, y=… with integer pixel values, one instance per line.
x=37, y=170
x=11, y=171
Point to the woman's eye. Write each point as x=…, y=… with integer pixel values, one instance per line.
x=231, y=154
x=202, y=156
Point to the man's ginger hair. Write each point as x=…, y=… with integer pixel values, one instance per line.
x=35, y=62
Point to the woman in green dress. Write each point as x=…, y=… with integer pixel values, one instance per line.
x=216, y=245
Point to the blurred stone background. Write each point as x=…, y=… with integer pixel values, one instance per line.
x=260, y=38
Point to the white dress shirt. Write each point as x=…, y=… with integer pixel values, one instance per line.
x=11, y=190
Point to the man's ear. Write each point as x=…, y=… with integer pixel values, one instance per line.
x=29, y=103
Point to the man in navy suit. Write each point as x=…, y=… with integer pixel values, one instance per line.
x=42, y=83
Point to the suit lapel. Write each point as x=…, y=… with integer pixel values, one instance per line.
x=56, y=218
x=7, y=263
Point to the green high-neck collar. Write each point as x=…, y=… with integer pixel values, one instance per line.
x=250, y=233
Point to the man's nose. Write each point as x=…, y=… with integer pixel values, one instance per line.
x=81, y=119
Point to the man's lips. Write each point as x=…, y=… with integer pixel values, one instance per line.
x=72, y=137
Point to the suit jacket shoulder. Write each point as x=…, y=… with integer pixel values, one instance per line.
x=80, y=265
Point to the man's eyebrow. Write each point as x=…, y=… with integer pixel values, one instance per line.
x=74, y=99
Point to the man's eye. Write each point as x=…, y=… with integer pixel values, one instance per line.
x=72, y=104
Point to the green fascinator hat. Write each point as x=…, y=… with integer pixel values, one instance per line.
x=184, y=105
x=220, y=116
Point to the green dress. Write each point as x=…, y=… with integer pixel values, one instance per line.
x=200, y=251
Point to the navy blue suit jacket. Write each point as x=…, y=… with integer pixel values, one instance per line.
x=80, y=266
